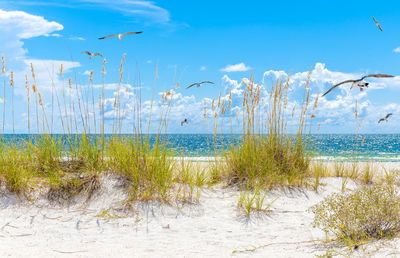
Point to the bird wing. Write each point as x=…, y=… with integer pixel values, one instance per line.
x=207, y=82
x=381, y=120
x=97, y=54
x=109, y=36
x=377, y=24
x=131, y=33
x=378, y=75
x=192, y=85
x=86, y=52
x=343, y=82
x=388, y=115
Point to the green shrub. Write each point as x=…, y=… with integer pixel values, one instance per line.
x=371, y=212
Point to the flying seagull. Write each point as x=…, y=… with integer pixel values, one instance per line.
x=198, y=84
x=185, y=121
x=385, y=118
x=377, y=24
x=91, y=54
x=121, y=35
x=360, y=82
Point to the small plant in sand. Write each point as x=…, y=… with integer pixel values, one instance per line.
x=253, y=201
x=368, y=173
x=339, y=168
x=391, y=177
x=368, y=213
x=318, y=170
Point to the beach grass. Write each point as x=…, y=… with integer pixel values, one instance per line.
x=268, y=155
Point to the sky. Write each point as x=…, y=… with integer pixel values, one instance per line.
x=190, y=41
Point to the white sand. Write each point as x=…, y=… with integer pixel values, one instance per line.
x=214, y=227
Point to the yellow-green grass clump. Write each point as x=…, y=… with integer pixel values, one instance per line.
x=148, y=169
x=268, y=156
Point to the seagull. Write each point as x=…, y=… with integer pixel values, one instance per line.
x=198, y=84
x=91, y=54
x=377, y=24
x=360, y=82
x=185, y=121
x=385, y=118
x=121, y=35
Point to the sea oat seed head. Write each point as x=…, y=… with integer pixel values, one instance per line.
x=40, y=99
x=12, y=79
x=33, y=72
x=3, y=68
x=362, y=143
x=91, y=76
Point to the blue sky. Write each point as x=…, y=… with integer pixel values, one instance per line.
x=197, y=40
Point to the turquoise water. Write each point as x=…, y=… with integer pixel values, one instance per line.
x=376, y=147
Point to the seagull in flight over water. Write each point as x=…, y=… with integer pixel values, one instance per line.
x=198, y=84
x=185, y=121
x=91, y=55
x=360, y=83
x=377, y=24
x=120, y=36
x=385, y=118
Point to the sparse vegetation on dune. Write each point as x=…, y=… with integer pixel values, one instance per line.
x=273, y=153
x=71, y=163
x=370, y=212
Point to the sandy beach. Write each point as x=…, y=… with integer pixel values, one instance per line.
x=211, y=227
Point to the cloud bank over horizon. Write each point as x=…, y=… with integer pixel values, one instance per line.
x=335, y=112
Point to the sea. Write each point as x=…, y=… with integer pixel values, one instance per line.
x=324, y=147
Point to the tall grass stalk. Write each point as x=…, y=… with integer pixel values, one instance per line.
x=268, y=156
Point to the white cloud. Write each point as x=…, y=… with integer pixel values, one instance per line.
x=56, y=35
x=77, y=38
x=203, y=68
x=241, y=67
x=134, y=8
x=397, y=50
x=26, y=25
x=16, y=26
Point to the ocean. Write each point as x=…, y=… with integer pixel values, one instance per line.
x=327, y=147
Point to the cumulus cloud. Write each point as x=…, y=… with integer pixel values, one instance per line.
x=16, y=26
x=203, y=68
x=240, y=67
x=397, y=50
x=26, y=25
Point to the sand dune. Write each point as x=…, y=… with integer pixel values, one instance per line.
x=214, y=227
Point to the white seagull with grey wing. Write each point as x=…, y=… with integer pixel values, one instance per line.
x=385, y=118
x=360, y=83
x=121, y=35
x=91, y=55
x=198, y=84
